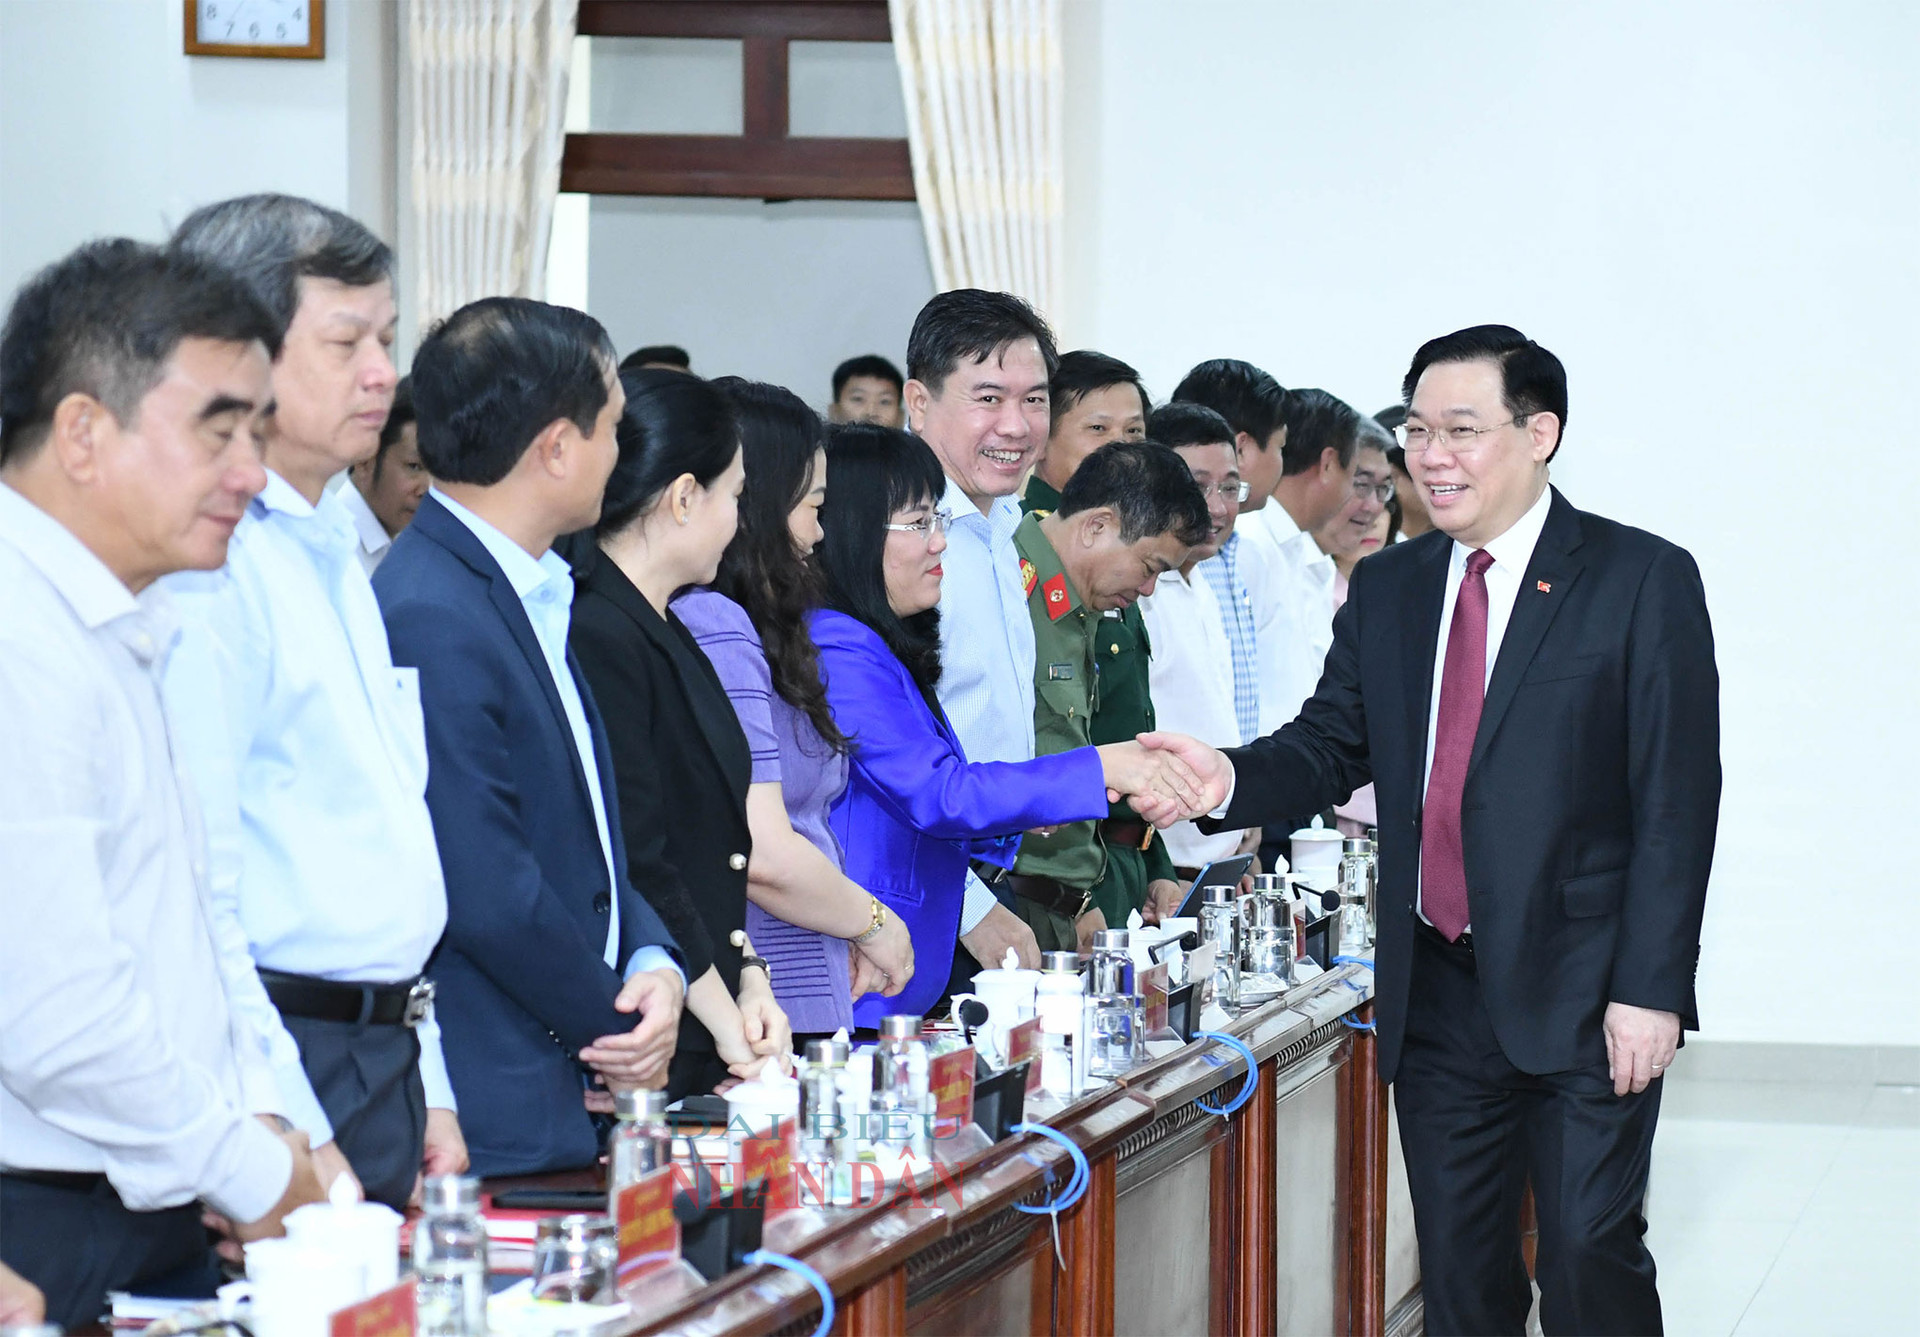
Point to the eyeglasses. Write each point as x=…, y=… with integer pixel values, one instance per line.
x=1416, y=439
x=1380, y=492
x=1234, y=492
x=935, y=523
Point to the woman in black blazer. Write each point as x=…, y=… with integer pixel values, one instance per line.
x=680, y=759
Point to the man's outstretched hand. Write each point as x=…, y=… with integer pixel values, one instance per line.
x=1212, y=780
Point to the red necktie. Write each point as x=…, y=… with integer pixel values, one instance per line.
x=1463, y=690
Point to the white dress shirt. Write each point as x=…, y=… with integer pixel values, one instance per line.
x=121, y=1051
x=1191, y=678
x=986, y=646
x=1292, y=593
x=373, y=536
x=545, y=587
x=308, y=751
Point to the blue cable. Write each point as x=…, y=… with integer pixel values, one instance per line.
x=1076, y=1184
x=1358, y=1025
x=805, y=1273
x=1353, y=961
x=1246, y=1089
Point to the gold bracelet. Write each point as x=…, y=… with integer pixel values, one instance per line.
x=879, y=922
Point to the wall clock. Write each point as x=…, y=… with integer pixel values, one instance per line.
x=290, y=29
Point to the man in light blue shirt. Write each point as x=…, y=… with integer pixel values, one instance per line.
x=303, y=739
x=978, y=364
x=550, y=957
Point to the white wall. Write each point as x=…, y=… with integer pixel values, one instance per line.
x=108, y=129
x=776, y=292
x=1708, y=210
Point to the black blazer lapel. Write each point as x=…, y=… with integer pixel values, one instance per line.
x=1426, y=591
x=455, y=537
x=1549, y=578
x=678, y=648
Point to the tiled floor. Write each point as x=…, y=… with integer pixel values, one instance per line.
x=1789, y=1209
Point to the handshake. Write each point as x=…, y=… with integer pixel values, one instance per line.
x=1166, y=777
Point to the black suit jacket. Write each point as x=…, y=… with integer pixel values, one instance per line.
x=1591, y=798
x=682, y=764
x=523, y=985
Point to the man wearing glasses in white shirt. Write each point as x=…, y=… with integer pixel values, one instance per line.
x=311, y=758
x=132, y=387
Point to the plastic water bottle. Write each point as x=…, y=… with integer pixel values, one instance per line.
x=450, y=1257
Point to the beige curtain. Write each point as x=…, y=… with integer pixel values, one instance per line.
x=982, y=84
x=486, y=83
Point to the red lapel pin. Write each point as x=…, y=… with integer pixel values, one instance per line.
x=1543, y=587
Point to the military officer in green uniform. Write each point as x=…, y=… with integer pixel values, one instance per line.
x=1130, y=511
x=1097, y=399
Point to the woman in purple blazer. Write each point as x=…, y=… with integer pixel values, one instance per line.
x=915, y=809
x=815, y=926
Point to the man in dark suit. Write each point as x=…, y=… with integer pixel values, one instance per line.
x=1532, y=692
x=550, y=957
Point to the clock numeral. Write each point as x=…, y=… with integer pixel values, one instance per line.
x=254, y=30
x=213, y=12
x=280, y=30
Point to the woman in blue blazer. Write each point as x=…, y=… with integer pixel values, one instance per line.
x=915, y=809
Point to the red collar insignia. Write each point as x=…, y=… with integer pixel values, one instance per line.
x=1056, y=588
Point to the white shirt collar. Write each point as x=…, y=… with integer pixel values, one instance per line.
x=283, y=497
x=525, y=572
x=1004, y=514
x=96, y=595
x=373, y=535
x=1512, y=550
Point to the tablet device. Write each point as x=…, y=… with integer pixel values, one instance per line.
x=1219, y=873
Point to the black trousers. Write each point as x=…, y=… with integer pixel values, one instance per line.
x=367, y=1079
x=71, y=1236
x=1476, y=1130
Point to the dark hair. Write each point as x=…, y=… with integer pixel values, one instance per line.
x=495, y=374
x=397, y=419
x=1532, y=380
x=760, y=570
x=673, y=424
x=1187, y=424
x=1249, y=399
x=671, y=355
x=1083, y=371
x=104, y=322
x=1395, y=516
x=1392, y=417
x=1144, y=483
x=1316, y=420
x=877, y=472
x=971, y=325
x=273, y=241
x=870, y=365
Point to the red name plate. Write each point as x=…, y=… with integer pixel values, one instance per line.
x=772, y=1158
x=950, y=1077
x=1023, y=1044
x=388, y=1314
x=643, y=1215
x=1153, y=995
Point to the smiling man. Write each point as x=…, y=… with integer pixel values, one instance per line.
x=978, y=366
x=1532, y=691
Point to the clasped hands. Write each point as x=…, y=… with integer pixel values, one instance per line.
x=1166, y=777
x=637, y=1059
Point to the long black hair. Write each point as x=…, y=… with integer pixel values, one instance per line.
x=673, y=424
x=761, y=570
x=878, y=472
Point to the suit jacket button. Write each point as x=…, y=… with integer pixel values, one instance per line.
x=736, y=862
x=602, y=903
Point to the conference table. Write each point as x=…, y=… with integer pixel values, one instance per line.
x=1287, y=1215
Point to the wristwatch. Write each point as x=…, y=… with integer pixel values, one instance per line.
x=759, y=961
x=879, y=921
